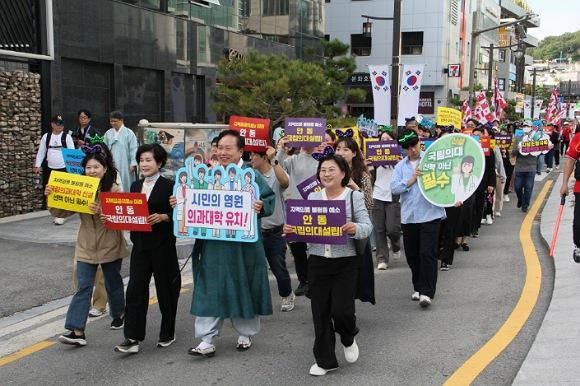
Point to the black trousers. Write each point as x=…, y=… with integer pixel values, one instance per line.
x=478, y=207
x=421, y=243
x=509, y=172
x=576, y=221
x=162, y=264
x=298, y=250
x=332, y=285
x=449, y=228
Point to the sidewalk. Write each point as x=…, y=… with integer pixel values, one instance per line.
x=38, y=228
x=555, y=354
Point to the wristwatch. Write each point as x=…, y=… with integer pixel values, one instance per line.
x=275, y=163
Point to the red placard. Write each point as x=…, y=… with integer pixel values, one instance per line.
x=254, y=130
x=125, y=211
x=485, y=143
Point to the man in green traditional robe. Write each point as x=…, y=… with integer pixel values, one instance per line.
x=231, y=277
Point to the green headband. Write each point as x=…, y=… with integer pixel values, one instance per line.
x=408, y=137
x=96, y=139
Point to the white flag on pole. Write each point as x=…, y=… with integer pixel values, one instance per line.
x=411, y=79
x=537, y=108
x=528, y=109
x=571, y=110
x=381, y=85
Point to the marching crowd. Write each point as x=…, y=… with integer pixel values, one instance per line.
x=385, y=212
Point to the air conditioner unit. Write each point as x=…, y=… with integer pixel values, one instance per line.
x=204, y=3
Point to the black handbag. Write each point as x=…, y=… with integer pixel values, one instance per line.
x=360, y=244
x=365, y=291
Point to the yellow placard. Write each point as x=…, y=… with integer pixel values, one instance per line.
x=364, y=146
x=448, y=116
x=355, y=136
x=72, y=192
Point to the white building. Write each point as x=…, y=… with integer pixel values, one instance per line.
x=436, y=33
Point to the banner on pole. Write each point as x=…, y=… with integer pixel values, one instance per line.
x=73, y=192
x=528, y=109
x=537, y=108
x=380, y=83
x=125, y=211
x=412, y=78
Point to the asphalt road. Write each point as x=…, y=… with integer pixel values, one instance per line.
x=400, y=344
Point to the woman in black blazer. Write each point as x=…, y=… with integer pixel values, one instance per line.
x=154, y=254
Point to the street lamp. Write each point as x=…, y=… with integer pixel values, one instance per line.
x=367, y=31
x=520, y=49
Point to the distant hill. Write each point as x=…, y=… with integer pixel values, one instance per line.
x=550, y=48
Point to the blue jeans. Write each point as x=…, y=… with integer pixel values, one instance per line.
x=275, y=247
x=540, y=163
x=524, y=184
x=78, y=310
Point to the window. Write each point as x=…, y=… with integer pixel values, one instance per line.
x=275, y=7
x=501, y=56
x=360, y=45
x=412, y=43
x=501, y=84
x=327, y=38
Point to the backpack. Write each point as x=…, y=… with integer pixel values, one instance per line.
x=62, y=139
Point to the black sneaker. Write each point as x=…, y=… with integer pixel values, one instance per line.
x=519, y=205
x=444, y=267
x=301, y=290
x=465, y=247
x=165, y=342
x=129, y=346
x=576, y=255
x=117, y=324
x=475, y=234
x=74, y=339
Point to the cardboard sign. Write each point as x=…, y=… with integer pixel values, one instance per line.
x=535, y=148
x=485, y=143
x=216, y=204
x=308, y=186
x=73, y=192
x=73, y=159
x=125, y=211
x=254, y=130
x=448, y=116
x=452, y=169
x=304, y=132
x=382, y=153
x=504, y=141
x=317, y=221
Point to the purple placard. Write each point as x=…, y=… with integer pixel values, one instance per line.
x=504, y=141
x=304, y=132
x=317, y=221
x=382, y=153
x=308, y=186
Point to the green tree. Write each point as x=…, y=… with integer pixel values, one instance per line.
x=274, y=87
x=550, y=48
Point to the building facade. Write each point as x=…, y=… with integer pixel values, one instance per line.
x=152, y=59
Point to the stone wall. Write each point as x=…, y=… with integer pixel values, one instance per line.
x=20, y=128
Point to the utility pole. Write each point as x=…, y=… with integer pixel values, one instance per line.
x=533, y=91
x=490, y=71
x=396, y=70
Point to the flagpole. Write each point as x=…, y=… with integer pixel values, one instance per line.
x=533, y=91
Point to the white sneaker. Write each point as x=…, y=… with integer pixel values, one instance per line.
x=483, y=221
x=382, y=266
x=489, y=220
x=506, y=198
x=351, y=352
x=424, y=301
x=557, y=167
x=548, y=170
x=397, y=255
x=95, y=312
x=58, y=221
x=288, y=303
x=415, y=296
x=319, y=371
x=498, y=214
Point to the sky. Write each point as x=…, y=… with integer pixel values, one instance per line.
x=556, y=17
